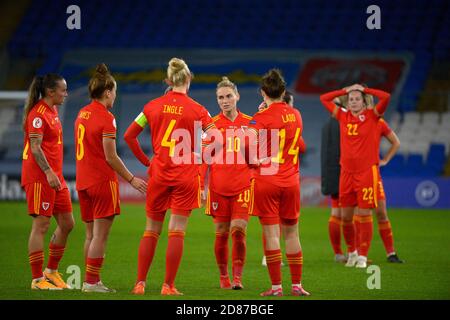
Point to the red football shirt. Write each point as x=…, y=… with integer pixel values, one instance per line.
x=359, y=140
x=171, y=119
x=43, y=121
x=383, y=130
x=229, y=174
x=94, y=122
x=288, y=121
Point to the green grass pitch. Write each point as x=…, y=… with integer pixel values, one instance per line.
x=422, y=239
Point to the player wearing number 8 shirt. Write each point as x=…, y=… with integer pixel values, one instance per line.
x=96, y=180
x=277, y=190
x=174, y=180
x=228, y=199
x=358, y=183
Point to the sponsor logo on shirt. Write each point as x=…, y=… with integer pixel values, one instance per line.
x=37, y=122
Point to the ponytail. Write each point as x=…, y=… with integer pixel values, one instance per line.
x=34, y=93
x=38, y=90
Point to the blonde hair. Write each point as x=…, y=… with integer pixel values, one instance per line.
x=226, y=83
x=101, y=81
x=178, y=72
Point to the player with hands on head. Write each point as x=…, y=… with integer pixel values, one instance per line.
x=359, y=159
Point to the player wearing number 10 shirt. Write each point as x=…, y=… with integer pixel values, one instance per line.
x=174, y=180
x=358, y=183
x=228, y=200
x=277, y=195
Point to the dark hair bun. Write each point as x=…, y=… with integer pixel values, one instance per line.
x=102, y=69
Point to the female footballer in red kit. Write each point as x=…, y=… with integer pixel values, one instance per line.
x=97, y=166
x=277, y=194
x=174, y=180
x=228, y=200
x=358, y=185
x=46, y=190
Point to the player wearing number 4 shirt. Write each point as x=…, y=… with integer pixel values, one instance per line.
x=277, y=182
x=359, y=140
x=228, y=200
x=96, y=180
x=174, y=180
x=46, y=190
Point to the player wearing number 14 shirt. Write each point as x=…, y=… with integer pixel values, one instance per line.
x=174, y=180
x=277, y=182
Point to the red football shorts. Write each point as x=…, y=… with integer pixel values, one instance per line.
x=226, y=208
x=335, y=201
x=99, y=201
x=180, y=198
x=359, y=189
x=43, y=200
x=381, y=195
x=274, y=204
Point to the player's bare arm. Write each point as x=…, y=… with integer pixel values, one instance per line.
x=113, y=159
x=395, y=145
x=41, y=160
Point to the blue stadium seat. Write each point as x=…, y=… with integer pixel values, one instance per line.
x=435, y=161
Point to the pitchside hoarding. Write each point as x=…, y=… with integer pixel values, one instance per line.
x=400, y=192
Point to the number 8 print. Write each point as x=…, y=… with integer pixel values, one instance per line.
x=80, y=136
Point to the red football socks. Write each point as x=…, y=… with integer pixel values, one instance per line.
x=221, y=252
x=295, y=262
x=385, y=230
x=146, y=253
x=36, y=262
x=334, y=231
x=173, y=255
x=273, y=258
x=93, y=267
x=348, y=229
x=56, y=252
x=238, y=250
x=365, y=234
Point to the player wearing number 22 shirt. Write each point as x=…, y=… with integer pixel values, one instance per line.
x=358, y=183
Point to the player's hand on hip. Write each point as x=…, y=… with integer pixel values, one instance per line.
x=139, y=185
